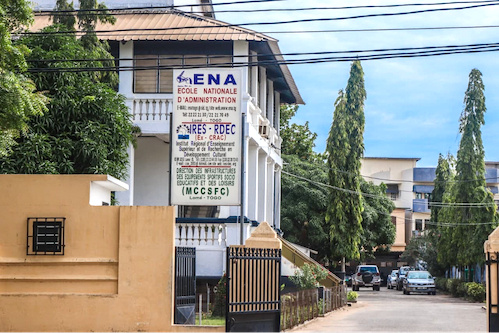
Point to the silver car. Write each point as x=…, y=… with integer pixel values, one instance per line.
x=419, y=282
x=391, y=280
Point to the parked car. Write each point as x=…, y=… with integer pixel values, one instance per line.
x=391, y=280
x=348, y=280
x=366, y=276
x=419, y=282
x=402, y=272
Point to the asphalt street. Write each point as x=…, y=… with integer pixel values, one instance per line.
x=392, y=311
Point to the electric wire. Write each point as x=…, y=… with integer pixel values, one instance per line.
x=285, y=22
x=119, y=11
x=407, y=221
x=441, y=204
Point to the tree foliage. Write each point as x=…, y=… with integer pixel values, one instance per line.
x=297, y=139
x=87, y=128
x=304, y=205
x=18, y=97
x=378, y=231
x=345, y=148
x=472, y=209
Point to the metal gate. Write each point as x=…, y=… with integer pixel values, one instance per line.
x=493, y=300
x=253, y=291
x=185, y=285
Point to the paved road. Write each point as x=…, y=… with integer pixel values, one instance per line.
x=392, y=311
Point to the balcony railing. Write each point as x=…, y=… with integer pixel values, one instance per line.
x=420, y=206
x=201, y=234
x=150, y=109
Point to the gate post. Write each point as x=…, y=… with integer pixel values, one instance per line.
x=491, y=248
x=253, y=290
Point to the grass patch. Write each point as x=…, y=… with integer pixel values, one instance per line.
x=211, y=321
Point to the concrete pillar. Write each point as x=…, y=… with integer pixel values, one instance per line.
x=262, y=186
x=269, y=214
x=264, y=237
x=252, y=172
x=491, y=249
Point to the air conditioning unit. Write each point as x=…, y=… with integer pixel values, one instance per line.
x=264, y=130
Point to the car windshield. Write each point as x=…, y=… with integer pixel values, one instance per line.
x=418, y=275
x=371, y=269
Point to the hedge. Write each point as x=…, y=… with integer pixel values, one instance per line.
x=457, y=288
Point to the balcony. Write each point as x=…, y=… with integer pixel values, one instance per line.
x=420, y=206
x=424, y=175
x=151, y=113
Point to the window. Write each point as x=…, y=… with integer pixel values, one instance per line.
x=423, y=195
x=154, y=73
x=199, y=211
x=45, y=235
x=392, y=190
x=419, y=225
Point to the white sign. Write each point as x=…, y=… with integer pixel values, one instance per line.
x=206, y=137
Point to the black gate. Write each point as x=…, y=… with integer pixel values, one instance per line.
x=493, y=300
x=185, y=285
x=253, y=291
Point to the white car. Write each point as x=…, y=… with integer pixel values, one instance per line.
x=391, y=280
x=366, y=276
x=419, y=282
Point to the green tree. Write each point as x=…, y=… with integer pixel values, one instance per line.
x=304, y=205
x=87, y=128
x=378, y=231
x=471, y=206
x=297, y=139
x=345, y=148
x=18, y=97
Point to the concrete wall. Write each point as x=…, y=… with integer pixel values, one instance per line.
x=117, y=271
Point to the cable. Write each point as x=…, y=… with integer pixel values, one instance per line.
x=289, y=21
x=119, y=11
x=277, y=62
x=383, y=197
x=289, y=54
x=98, y=10
x=444, y=204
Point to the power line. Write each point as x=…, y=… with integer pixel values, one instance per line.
x=287, y=22
x=274, y=62
x=443, y=204
x=406, y=220
x=121, y=11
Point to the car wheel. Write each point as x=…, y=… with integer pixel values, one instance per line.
x=407, y=292
x=434, y=293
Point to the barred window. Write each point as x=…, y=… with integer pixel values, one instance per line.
x=45, y=235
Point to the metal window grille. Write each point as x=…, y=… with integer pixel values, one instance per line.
x=45, y=235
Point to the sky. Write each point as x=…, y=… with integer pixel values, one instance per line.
x=413, y=105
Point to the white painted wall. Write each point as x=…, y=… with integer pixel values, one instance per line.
x=152, y=165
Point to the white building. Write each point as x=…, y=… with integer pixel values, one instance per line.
x=152, y=42
x=410, y=188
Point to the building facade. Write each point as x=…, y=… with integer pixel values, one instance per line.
x=148, y=44
x=410, y=188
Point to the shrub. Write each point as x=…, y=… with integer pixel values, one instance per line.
x=475, y=291
x=452, y=286
x=441, y=283
x=352, y=296
x=308, y=276
x=461, y=289
x=220, y=297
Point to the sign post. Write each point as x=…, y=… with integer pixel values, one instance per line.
x=206, y=137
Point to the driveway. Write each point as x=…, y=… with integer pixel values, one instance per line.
x=392, y=311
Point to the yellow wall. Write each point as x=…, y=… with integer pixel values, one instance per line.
x=117, y=272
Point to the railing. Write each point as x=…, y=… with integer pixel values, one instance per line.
x=198, y=234
x=300, y=306
x=150, y=109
